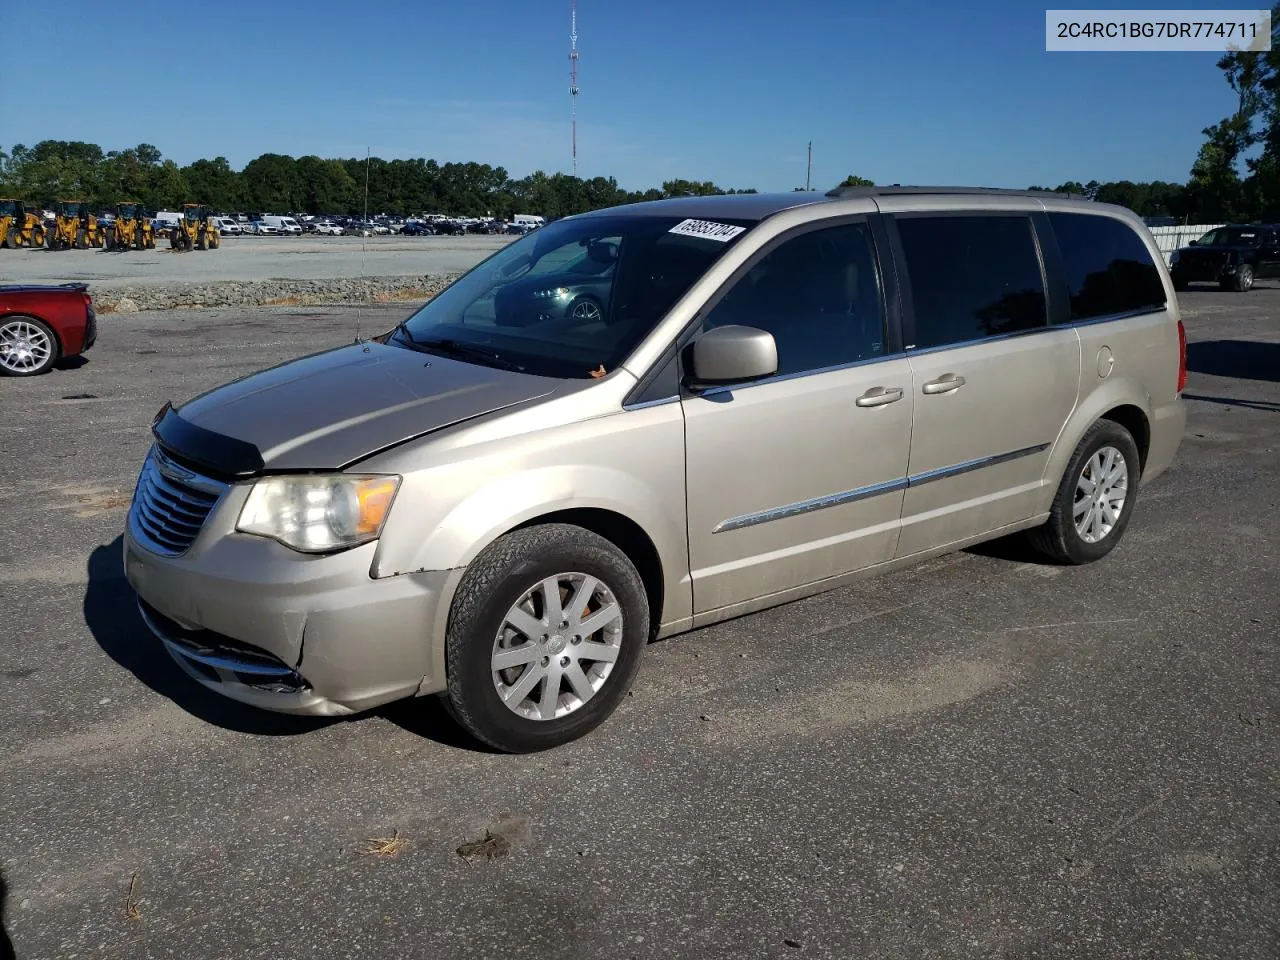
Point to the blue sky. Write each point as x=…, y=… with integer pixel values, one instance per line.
x=908, y=92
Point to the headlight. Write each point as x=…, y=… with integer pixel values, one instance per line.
x=319, y=514
x=558, y=293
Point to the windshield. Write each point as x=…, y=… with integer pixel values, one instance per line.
x=69, y=209
x=577, y=296
x=128, y=211
x=1232, y=236
x=8, y=208
x=193, y=213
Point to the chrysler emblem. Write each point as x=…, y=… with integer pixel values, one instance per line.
x=171, y=469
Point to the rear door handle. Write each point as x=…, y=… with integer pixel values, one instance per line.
x=879, y=396
x=944, y=384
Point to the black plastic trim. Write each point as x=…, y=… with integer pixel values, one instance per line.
x=223, y=457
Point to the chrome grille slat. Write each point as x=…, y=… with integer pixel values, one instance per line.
x=178, y=503
x=171, y=504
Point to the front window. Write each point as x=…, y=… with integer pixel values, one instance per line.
x=8, y=208
x=128, y=211
x=1232, y=237
x=573, y=299
x=69, y=209
x=193, y=213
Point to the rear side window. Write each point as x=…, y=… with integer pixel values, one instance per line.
x=972, y=277
x=1108, y=268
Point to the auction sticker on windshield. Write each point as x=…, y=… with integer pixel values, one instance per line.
x=723, y=232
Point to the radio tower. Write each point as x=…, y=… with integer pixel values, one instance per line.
x=573, y=85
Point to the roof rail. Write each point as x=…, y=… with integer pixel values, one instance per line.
x=897, y=188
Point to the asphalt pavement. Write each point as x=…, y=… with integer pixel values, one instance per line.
x=979, y=757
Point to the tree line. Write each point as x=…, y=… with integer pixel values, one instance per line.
x=60, y=170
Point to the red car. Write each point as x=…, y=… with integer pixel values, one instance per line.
x=40, y=325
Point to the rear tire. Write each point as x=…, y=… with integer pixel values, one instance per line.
x=1100, y=484
x=510, y=573
x=9, y=242
x=28, y=346
x=1243, y=279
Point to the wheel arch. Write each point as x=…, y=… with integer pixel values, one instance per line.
x=625, y=534
x=1133, y=419
x=1120, y=400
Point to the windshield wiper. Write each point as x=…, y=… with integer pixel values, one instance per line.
x=402, y=328
x=467, y=351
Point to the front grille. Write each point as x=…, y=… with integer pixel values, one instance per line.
x=171, y=504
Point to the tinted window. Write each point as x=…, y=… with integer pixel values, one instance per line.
x=818, y=294
x=972, y=277
x=1108, y=267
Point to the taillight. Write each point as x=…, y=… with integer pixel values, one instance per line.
x=1182, y=356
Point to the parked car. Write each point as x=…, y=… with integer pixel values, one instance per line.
x=42, y=324
x=262, y=228
x=326, y=229
x=1232, y=257
x=783, y=392
x=228, y=227
x=417, y=228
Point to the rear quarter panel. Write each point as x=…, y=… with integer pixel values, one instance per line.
x=63, y=310
x=1129, y=361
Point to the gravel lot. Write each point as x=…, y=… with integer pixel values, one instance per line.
x=980, y=757
x=252, y=258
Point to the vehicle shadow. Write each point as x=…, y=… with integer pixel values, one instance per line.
x=427, y=717
x=1244, y=359
x=6, y=945
x=1014, y=548
x=70, y=363
x=1266, y=405
x=111, y=613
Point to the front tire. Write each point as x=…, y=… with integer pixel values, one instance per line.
x=545, y=637
x=1095, y=499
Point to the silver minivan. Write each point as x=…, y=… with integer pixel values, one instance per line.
x=642, y=420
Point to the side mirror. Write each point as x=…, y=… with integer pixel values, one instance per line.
x=729, y=355
x=1194, y=243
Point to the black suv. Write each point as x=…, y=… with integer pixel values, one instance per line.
x=1232, y=256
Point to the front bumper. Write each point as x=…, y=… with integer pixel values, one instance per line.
x=252, y=620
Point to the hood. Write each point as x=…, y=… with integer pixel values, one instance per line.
x=327, y=410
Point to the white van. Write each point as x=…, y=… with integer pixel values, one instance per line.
x=284, y=225
x=528, y=220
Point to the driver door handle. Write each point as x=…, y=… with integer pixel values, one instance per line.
x=879, y=396
x=944, y=384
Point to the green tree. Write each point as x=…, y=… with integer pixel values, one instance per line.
x=853, y=180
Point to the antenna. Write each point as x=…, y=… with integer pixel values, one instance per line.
x=808, y=177
x=573, y=85
x=364, y=225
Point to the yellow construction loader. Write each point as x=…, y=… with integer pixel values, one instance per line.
x=18, y=228
x=131, y=230
x=74, y=227
x=197, y=229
